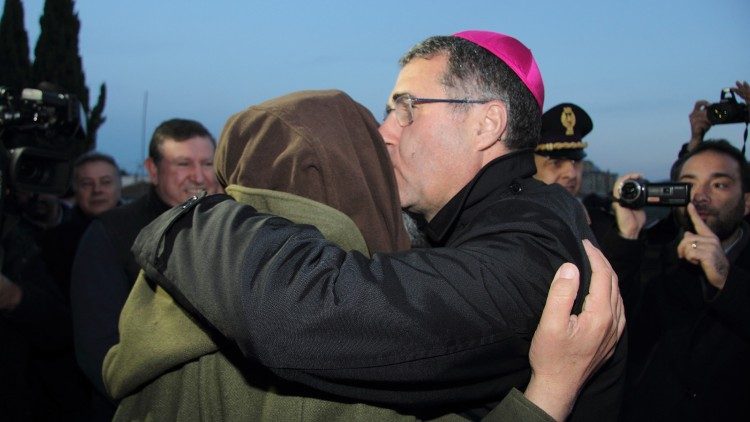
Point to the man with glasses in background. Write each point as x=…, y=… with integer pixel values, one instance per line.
x=427, y=331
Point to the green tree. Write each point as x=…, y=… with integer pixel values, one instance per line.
x=15, y=67
x=56, y=60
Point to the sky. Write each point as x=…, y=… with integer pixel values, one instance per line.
x=637, y=67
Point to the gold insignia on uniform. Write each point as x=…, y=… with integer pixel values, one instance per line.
x=568, y=119
x=556, y=146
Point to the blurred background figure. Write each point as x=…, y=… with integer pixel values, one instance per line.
x=97, y=188
x=180, y=165
x=38, y=211
x=96, y=183
x=560, y=153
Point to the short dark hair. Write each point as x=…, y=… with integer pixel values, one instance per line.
x=721, y=146
x=475, y=71
x=178, y=130
x=92, y=157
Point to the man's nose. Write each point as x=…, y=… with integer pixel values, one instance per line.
x=197, y=174
x=699, y=194
x=390, y=130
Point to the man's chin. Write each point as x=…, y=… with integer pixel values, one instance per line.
x=405, y=203
x=189, y=193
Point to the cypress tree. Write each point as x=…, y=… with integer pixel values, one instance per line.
x=15, y=67
x=56, y=60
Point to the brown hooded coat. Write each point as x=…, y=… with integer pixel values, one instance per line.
x=314, y=158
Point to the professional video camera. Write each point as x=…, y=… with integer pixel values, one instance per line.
x=41, y=132
x=637, y=194
x=727, y=110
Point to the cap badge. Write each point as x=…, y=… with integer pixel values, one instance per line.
x=568, y=119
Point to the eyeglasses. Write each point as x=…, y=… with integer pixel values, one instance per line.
x=404, y=106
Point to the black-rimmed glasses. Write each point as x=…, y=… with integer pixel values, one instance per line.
x=403, y=106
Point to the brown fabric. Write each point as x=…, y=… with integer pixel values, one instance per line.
x=320, y=145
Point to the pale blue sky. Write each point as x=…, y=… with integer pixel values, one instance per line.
x=637, y=67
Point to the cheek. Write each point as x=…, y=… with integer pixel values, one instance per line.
x=176, y=177
x=405, y=155
x=547, y=175
x=734, y=202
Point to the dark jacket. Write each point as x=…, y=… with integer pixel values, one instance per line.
x=103, y=272
x=690, y=342
x=59, y=246
x=38, y=377
x=430, y=330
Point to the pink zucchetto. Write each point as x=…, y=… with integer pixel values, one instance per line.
x=513, y=53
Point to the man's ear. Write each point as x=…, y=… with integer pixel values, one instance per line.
x=152, y=169
x=493, y=125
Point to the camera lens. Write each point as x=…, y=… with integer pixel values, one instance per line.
x=34, y=171
x=630, y=190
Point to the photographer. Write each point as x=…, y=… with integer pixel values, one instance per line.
x=38, y=212
x=687, y=300
x=40, y=133
x=35, y=334
x=699, y=121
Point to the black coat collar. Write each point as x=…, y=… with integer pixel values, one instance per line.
x=500, y=175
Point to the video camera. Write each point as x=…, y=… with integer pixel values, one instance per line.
x=727, y=110
x=41, y=132
x=637, y=194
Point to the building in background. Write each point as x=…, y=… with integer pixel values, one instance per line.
x=596, y=181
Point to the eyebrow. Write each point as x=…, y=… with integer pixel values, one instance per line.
x=712, y=176
x=103, y=176
x=396, y=95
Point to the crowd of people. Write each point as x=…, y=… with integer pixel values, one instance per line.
x=278, y=274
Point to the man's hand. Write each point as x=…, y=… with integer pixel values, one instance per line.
x=743, y=90
x=10, y=294
x=567, y=349
x=699, y=123
x=704, y=248
x=629, y=221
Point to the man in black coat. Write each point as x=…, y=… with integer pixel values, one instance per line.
x=180, y=164
x=97, y=188
x=690, y=318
